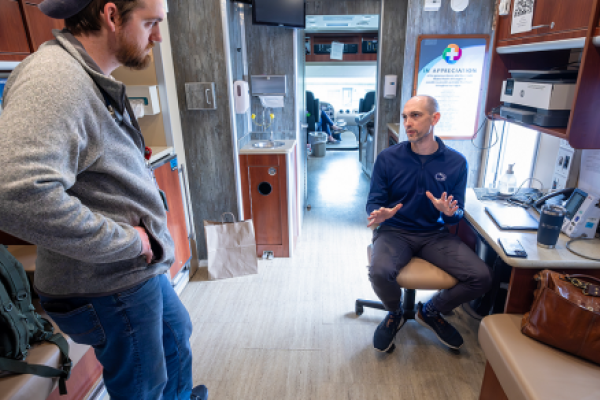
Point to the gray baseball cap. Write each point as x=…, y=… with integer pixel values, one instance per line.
x=61, y=9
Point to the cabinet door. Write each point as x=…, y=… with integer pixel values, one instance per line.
x=40, y=26
x=571, y=19
x=13, y=37
x=265, y=197
x=167, y=177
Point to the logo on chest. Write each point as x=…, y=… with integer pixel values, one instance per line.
x=440, y=177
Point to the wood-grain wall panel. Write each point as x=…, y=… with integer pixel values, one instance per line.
x=393, y=30
x=270, y=52
x=475, y=19
x=199, y=55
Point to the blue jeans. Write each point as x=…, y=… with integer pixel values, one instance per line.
x=140, y=336
x=326, y=124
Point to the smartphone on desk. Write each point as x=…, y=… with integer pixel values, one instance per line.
x=512, y=247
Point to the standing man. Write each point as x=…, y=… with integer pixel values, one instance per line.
x=417, y=187
x=75, y=183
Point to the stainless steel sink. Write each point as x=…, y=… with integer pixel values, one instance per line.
x=268, y=144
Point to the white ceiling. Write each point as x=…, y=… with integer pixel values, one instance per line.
x=341, y=23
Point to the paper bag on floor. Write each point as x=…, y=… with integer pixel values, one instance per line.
x=231, y=248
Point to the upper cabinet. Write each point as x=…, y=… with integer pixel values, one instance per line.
x=23, y=28
x=13, y=37
x=552, y=20
x=573, y=37
x=357, y=47
x=39, y=25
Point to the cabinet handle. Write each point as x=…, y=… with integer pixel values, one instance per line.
x=551, y=26
x=206, y=92
x=304, y=126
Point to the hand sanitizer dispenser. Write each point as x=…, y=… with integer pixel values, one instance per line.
x=508, y=182
x=241, y=93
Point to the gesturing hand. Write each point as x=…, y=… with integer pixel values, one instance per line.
x=146, y=248
x=444, y=204
x=378, y=216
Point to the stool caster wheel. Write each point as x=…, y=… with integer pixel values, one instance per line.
x=391, y=349
x=358, y=309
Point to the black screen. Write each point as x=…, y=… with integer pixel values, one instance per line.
x=575, y=201
x=279, y=13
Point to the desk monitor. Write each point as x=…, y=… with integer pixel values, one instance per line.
x=512, y=218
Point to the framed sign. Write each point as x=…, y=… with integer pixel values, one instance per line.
x=451, y=69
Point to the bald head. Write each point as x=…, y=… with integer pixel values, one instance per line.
x=430, y=104
x=420, y=115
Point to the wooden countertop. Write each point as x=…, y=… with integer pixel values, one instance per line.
x=537, y=257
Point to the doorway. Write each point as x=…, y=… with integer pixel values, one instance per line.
x=340, y=84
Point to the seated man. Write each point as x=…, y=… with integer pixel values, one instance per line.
x=417, y=187
x=327, y=125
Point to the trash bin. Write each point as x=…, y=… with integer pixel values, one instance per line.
x=317, y=141
x=317, y=136
x=319, y=149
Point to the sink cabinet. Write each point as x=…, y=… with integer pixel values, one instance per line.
x=269, y=194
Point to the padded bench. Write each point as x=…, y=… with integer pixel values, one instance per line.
x=33, y=387
x=520, y=368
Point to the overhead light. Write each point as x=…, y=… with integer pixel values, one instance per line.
x=459, y=5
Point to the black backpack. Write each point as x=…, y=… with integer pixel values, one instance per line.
x=21, y=326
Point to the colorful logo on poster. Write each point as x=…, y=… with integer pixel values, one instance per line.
x=452, y=54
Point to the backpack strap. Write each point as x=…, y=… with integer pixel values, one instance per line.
x=62, y=374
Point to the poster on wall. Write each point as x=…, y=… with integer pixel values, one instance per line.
x=451, y=69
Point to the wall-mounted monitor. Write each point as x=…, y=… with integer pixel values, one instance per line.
x=286, y=13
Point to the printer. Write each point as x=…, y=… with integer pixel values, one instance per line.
x=542, y=98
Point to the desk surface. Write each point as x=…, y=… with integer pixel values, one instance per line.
x=537, y=257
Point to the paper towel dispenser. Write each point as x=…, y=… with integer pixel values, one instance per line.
x=268, y=85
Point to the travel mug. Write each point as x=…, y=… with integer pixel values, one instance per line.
x=551, y=220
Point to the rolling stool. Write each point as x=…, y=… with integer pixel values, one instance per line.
x=417, y=274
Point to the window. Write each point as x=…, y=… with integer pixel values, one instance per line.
x=515, y=145
x=341, y=85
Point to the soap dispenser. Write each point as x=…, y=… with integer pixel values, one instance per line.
x=508, y=182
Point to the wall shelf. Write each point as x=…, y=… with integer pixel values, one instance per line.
x=554, y=131
x=576, y=27
x=575, y=43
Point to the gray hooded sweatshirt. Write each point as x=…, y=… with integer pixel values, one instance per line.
x=73, y=179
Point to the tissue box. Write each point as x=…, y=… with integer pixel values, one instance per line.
x=146, y=94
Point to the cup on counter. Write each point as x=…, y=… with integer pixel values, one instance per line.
x=551, y=220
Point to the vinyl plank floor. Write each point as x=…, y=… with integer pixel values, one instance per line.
x=290, y=332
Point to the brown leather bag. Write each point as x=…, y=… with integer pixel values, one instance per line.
x=566, y=314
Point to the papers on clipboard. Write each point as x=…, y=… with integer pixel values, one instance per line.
x=522, y=17
x=589, y=174
x=337, y=51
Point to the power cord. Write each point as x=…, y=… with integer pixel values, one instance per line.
x=489, y=116
x=578, y=253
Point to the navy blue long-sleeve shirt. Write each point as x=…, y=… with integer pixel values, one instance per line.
x=399, y=176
